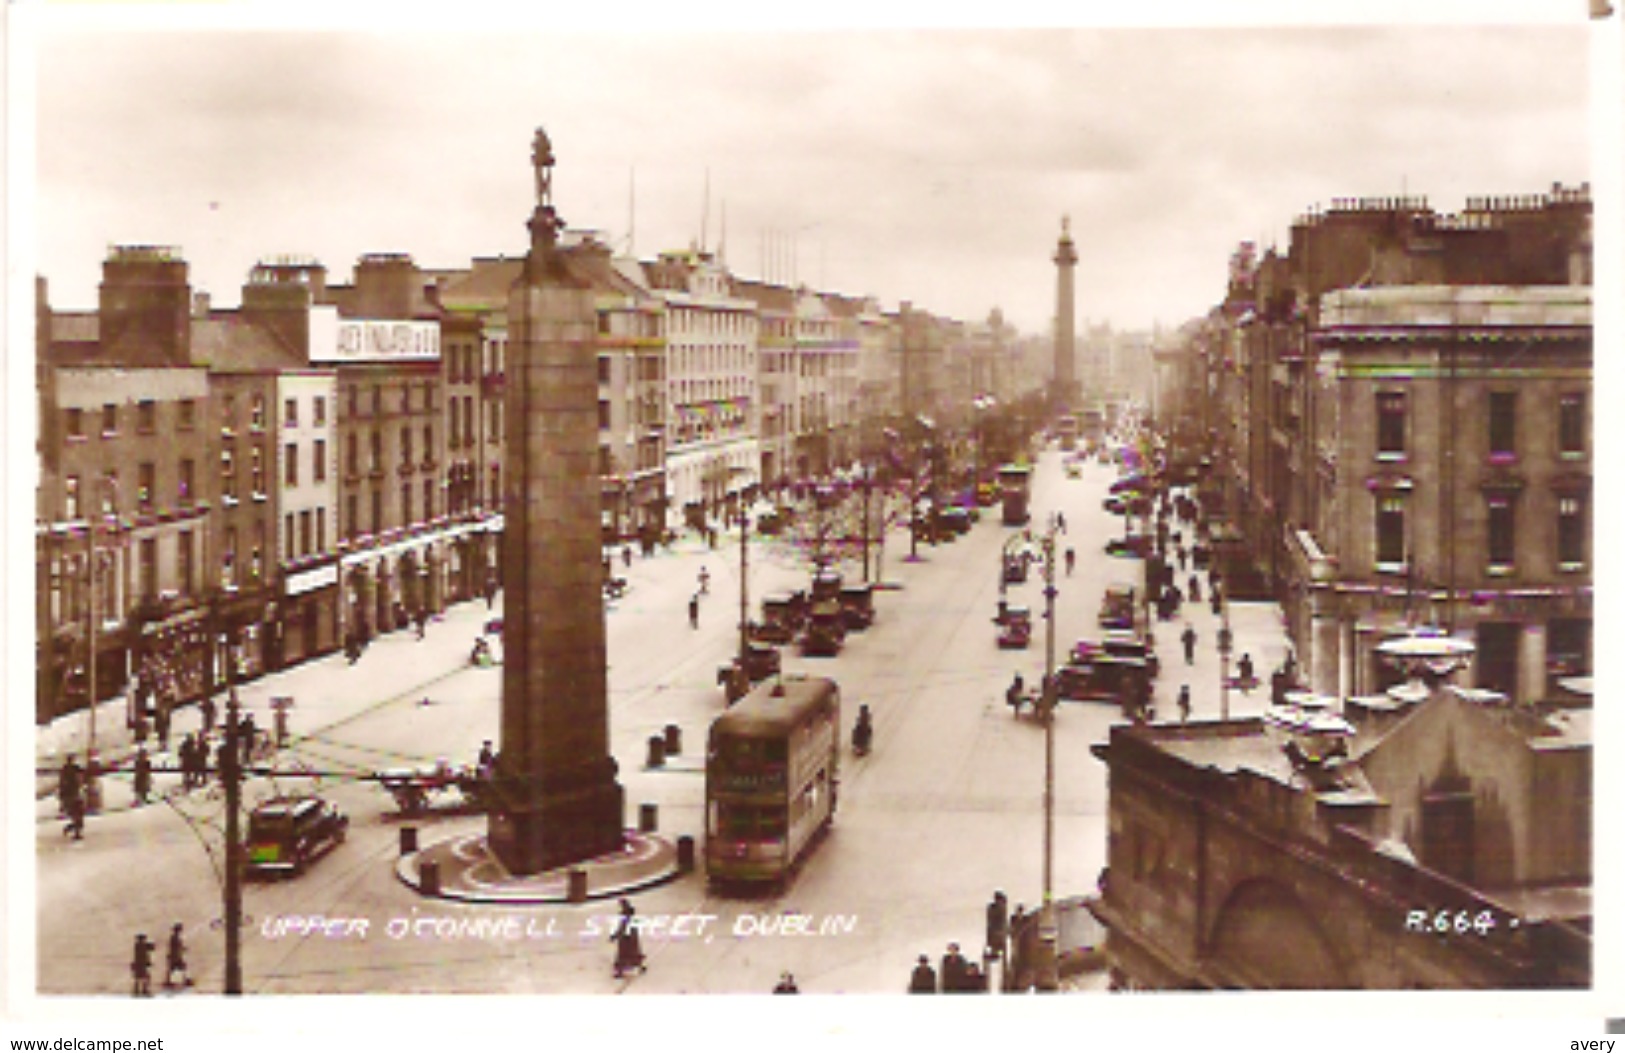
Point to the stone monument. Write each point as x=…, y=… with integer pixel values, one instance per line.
x=557, y=800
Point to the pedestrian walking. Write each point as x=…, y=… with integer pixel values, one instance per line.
x=143, y=775
x=175, y=959
x=924, y=978
x=422, y=620
x=186, y=754
x=225, y=759
x=206, y=709
x=1195, y=585
x=626, y=556
x=998, y=927
x=1071, y=560
x=628, y=947
x=1184, y=702
x=161, y=724
x=246, y=734
x=1021, y=939
x=1060, y=521
x=490, y=590
x=705, y=581
x=694, y=612
x=1245, y=670
x=1188, y=638
x=786, y=985
x=141, y=966
x=1215, y=601
x=71, y=790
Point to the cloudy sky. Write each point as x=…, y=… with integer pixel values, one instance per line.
x=931, y=165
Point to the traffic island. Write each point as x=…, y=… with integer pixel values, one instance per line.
x=464, y=868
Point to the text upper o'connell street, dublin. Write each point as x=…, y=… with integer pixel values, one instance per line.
x=419, y=926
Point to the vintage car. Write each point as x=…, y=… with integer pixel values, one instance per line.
x=1102, y=678
x=826, y=585
x=1016, y=629
x=1117, y=607
x=825, y=631
x=858, y=606
x=285, y=834
x=1134, y=546
x=1124, y=643
x=782, y=617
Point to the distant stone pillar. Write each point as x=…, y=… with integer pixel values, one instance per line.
x=1065, y=395
x=558, y=801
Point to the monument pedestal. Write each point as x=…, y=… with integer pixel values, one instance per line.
x=563, y=819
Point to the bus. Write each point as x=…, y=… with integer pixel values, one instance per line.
x=772, y=766
x=1066, y=429
x=1013, y=484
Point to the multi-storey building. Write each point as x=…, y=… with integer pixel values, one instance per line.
x=777, y=379
x=1458, y=424
x=712, y=454
x=1448, y=308
x=307, y=500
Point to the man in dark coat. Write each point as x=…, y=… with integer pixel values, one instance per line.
x=628, y=947
x=924, y=979
x=141, y=966
x=1188, y=638
x=143, y=775
x=953, y=970
x=998, y=926
x=175, y=960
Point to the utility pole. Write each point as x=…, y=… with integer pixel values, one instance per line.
x=744, y=588
x=1048, y=967
x=231, y=773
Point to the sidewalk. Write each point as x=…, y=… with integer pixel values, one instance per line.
x=325, y=691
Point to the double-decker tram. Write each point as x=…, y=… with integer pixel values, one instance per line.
x=771, y=769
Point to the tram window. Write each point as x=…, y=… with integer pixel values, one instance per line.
x=747, y=822
x=746, y=752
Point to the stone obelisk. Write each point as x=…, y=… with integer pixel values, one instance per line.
x=1065, y=396
x=558, y=801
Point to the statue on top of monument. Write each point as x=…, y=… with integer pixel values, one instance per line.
x=541, y=157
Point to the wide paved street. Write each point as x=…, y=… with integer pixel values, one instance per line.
x=945, y=810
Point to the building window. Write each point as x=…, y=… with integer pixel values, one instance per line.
x=228, y=413
x=406, y=445
x=1503, y=424
x=257, y=468
x=186, y=414
x=496, y=486
x=352, y=458
x=406, y=504
x=290, y=454
x=255, y=564
x=110, y=493
x=183, y=552
x=290, y=413
x=109, y=419
x=186, y=481
x=321, y=529
x=377, y=510
x=1502, y=537
x=603, y=368
x=73, y=423
x=146, y=478
x=1390, y=531
x=428, y=443
x=318, y=469
x=228, y=560
x=350, y=401
x=603, y=414
x=289, y=552
x=428, y=499
x=468, y=420
x=70, y=497
x=228, y=474
x=351, y=505
x=496, y=421
x=148, y=586
x=319, y=411
x=256, y=413
x=1571, y=424
x=146, y=417
x=305, y=538
x=377, y=449
x=1571, y=533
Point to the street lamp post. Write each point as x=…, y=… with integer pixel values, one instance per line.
x=1048, y=966
x=1224, y=664
x=231, y=772
x=744, y=587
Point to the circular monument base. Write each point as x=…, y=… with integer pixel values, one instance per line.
x=467, y=870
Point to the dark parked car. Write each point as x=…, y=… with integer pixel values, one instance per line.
x=285, y=834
